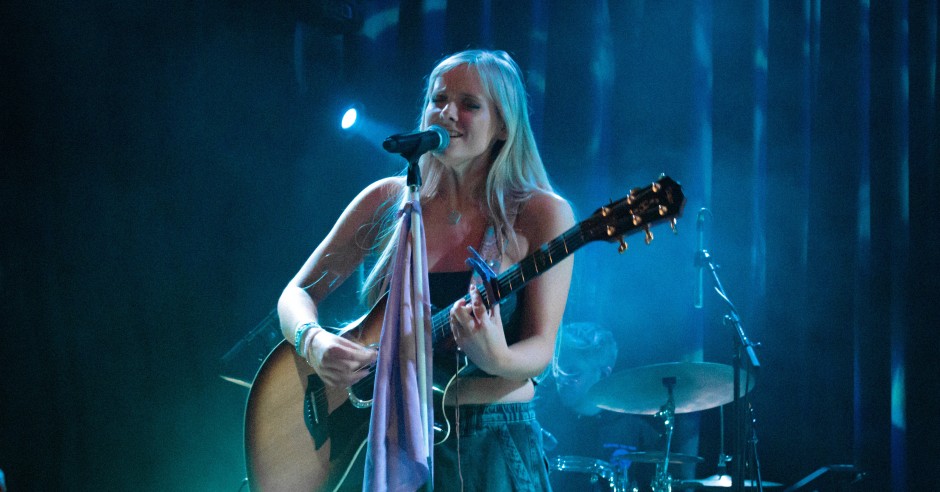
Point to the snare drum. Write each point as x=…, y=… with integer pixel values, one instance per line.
x=581, y=474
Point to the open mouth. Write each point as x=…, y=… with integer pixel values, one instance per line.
x=452, y=133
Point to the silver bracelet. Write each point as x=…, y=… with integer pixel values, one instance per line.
x=299, y=336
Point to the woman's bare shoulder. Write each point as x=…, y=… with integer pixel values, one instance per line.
x=541, y=201
x=385, y=187
x=543, y=216
x=378, y=194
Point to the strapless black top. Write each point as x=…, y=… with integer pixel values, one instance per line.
x=448, y=287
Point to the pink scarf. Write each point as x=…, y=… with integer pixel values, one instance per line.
x=401, y=432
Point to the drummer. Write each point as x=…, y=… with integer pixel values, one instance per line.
x=584, y=355
x=577, y=431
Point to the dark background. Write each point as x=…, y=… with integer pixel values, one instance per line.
x=167, y=167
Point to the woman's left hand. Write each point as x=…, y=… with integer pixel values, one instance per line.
x=479, y=332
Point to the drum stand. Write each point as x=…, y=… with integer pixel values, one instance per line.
x=662, y=480
x=691, y=387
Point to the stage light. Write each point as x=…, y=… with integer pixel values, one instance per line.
x=356, y=121
x=349, y=118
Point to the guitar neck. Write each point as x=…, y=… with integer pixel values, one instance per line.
x=660, y=201
x=518, y=275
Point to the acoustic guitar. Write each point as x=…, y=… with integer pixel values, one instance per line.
x=302, y=435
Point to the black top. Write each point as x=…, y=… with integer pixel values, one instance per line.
x=448, y=287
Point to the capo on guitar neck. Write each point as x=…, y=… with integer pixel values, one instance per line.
x=490, y=282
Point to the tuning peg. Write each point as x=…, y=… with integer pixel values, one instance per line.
x=636, y=219
x=672, y=225
x=655, y=187
x=649, y=234
x=634, y=193
x=623, y=245
x=662, y=210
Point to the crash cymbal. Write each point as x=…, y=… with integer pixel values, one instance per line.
x=657, y=457
x=722, y=482
x=641, y=390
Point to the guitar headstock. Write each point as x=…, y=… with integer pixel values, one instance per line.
x=662, y=200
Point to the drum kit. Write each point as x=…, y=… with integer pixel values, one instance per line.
x=663, y=391
x=670, y=389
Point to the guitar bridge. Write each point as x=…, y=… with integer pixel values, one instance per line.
x=316, y=410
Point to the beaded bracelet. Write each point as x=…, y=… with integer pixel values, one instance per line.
x=299, y=336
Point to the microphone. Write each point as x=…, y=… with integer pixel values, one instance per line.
x=700, y=256
x=434, y=139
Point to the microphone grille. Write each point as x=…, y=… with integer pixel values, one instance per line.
x=443, y=136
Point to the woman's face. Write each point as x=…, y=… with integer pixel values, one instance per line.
x=459, y=105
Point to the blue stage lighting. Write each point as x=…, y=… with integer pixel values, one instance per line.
x=349, y=118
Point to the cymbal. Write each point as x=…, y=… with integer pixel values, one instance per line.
x=657, y=457
x=641, y=390
x=722, y=482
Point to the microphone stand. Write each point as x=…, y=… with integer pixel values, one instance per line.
x=743, y=353
x=414, y=171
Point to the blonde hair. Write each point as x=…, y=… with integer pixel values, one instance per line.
x=516, y=170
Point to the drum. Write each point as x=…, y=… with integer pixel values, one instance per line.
x=579, y=473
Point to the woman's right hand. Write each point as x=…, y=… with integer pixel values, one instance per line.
x=338, y=361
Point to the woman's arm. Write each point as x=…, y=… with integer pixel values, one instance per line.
x=338, y=361
x=480, y=334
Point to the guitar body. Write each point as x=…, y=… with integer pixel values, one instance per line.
x=282, y=452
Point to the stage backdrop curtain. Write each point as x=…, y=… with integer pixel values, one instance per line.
x=168, y=166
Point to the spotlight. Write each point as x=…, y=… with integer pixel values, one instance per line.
x=356, y=121
x=349, y=118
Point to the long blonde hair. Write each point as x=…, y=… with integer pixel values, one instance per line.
x=516, y=170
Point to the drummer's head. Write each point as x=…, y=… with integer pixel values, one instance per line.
x=585, y=354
